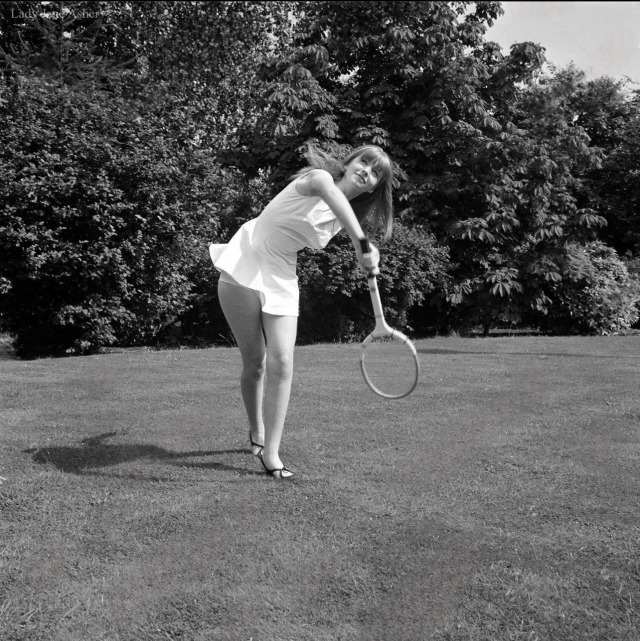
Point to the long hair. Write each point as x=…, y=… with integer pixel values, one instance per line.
x=374, y=211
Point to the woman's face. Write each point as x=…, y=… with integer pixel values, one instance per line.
x=362, y=175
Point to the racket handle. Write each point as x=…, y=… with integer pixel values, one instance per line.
x=366, y=248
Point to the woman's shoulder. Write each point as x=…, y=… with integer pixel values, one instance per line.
x=314, y=182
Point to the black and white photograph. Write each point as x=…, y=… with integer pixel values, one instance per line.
x=319, y=320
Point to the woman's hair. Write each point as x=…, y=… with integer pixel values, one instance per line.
x=375, y=210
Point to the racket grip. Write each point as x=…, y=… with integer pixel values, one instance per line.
x=365, y=247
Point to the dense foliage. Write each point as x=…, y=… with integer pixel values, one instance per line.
x=136, y=133
x=497, y=166
x=335, y=302
x=101, y=221
x=598, y=295
x=110, y=186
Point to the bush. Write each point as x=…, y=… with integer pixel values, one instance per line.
x=597, y=295
x=334, y=298
x=103, y=213
x=105, y=224
x=335, y=303
x=238, y=199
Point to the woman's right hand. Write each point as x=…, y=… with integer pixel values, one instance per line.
x=369, y=261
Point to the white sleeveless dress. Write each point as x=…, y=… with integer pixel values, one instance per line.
x=263, y=253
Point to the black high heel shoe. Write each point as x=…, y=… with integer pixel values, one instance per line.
x=254, y=444
x=278, y=472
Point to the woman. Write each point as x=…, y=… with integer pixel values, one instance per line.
x=258, y=286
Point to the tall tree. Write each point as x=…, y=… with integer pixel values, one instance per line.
x=491, y=163
x=609, y=111
x=109, y=181
x=386, y=73
x=202, y=58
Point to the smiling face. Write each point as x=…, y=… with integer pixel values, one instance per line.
x=367, y=182
x=362, y=175
x=368, y=169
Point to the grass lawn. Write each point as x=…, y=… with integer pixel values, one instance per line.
x=500, y=501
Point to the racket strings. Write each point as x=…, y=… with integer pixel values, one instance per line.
x=390, y=366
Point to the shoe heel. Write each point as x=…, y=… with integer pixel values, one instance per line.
x=280, y=473
x=255, y=446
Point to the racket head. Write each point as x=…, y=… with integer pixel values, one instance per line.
x=389, y=364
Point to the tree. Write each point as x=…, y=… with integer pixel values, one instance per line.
x=618, y=190
x=195, y=58
x=528, y=197
x=136, y=126
x=491, y=163
x=201, y=59
x=101, y=216
x=385, y=73
x=109, y=191
x=70, y=43
x=609, y=111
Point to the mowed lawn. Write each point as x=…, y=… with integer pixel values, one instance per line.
x=500, y=501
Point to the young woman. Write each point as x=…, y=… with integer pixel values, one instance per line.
x=258, y=286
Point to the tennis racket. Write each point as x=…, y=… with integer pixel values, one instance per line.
x=389, y=361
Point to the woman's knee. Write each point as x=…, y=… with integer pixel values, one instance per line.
x=280, y=365
x=253, y=365
x=281, y=338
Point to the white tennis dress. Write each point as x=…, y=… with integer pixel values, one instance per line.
x=263, y=253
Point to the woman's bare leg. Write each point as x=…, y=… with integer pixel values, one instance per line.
x=266, y=343
x=243, y=312
x=280, y=334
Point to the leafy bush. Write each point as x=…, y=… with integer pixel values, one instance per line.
x=335, y=303
x=102, y=215
x=105, y=226
x=597, y=295
x=238, y=199
x=334, y=297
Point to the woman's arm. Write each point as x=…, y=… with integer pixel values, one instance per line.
x=320, y=183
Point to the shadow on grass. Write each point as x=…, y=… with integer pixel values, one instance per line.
x=94, y=453
x=437, y=350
